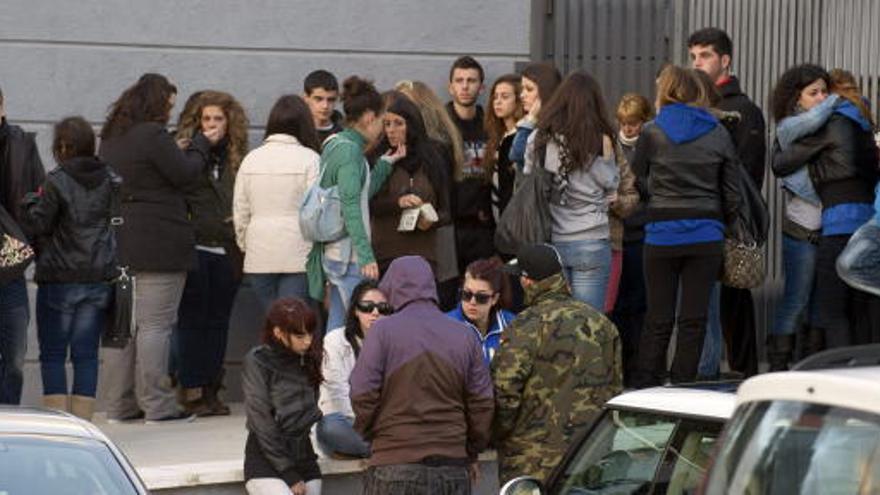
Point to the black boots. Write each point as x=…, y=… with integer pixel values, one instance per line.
x=780, y=349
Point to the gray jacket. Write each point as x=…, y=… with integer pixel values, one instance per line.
x=579, y=205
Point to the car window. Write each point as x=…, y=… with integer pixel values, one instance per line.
x=687, y=457
x=787, y=447
x=620, y=455
x=73, y=466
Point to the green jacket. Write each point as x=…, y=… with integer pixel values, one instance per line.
x=558, y=363
x=344, y=164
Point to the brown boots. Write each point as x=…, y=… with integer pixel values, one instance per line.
x=204, y=401
x=79, y=405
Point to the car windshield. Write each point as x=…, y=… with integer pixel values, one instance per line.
x=73, y=466
x=620, y=455
x=786, y=447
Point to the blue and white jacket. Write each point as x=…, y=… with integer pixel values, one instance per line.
x=500, y=320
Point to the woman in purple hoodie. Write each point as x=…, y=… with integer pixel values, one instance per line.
x=686, y=164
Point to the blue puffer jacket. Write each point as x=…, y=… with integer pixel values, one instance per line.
x=500, y=320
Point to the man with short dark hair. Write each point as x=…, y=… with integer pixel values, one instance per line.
x=472, y=192
x=558, y=363
x=321, y=92
x=711, y=51
x=21, y=172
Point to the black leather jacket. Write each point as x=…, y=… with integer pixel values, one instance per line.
x=70, y=219
x=841, y=158
x=694, y=179
x=281, y=406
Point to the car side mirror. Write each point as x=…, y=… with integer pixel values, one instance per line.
x=524, y=485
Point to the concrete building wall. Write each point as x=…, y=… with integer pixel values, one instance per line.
x=64, y=58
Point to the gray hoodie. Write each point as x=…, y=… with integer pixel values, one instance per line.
x=579, y=209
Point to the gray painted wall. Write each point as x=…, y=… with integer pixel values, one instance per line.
x=62, y=58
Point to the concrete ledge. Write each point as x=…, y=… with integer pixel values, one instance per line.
x=223, y=472
x=207, y=457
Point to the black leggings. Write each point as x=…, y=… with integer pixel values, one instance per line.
x=692, y=268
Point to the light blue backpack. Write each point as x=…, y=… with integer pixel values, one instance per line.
x=320, y=214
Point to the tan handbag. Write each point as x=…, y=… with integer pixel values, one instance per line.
x=744, y=265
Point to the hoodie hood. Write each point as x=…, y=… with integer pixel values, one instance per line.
x=852, y=112
x=683, y=123
x=408, y=279
x=89, y=172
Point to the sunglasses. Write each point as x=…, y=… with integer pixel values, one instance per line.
x=479, y=297
x=368, y=307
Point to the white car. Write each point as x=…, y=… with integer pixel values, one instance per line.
x=813, y=430
x=50, y=452
x=656, y=440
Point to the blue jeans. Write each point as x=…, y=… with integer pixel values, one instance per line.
x=71, y=316
x=270, y=287
x=341, y=289
x=203, y=321
x=587, y=266
x=799, y=265
x=336, y=434
x=14, y=319
x=710, y=358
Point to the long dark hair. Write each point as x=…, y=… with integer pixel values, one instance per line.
x=576, y=113
x=145, y=101
x=545, y=76
x=788, y=89
x=290, y=115
x=421, y=151
x=352, y=325
x=295, y=317
x=495, y=126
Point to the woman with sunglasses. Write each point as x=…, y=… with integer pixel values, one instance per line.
x=341, y=349
x=484, y=288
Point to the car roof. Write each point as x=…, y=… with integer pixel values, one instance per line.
x=707, y=401
x=853, y=388
x=18, y=420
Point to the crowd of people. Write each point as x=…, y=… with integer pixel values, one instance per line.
x=410, y=338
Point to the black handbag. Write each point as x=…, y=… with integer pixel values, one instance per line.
x=15, y=252
x=526, y=220
x=120, y=322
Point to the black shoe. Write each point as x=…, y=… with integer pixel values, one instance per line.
x=180, y=417
x=138, y=416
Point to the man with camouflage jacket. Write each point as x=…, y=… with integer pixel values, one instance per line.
x=558, y=363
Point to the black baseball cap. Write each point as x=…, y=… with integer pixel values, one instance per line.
x=535, y=261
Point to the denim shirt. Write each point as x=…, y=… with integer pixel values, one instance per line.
x=794, y=127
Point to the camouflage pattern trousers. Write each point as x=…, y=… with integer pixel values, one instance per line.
x=417, y=479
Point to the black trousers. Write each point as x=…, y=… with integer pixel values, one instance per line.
x=693, y=269
x=846, y=315
x=629, y=310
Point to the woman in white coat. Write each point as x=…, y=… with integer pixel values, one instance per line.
x=268, y=192
x=341, y=349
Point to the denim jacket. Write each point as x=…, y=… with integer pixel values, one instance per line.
x=794, y=127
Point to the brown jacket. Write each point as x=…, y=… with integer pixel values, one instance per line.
x=627, y=201
x=388, y=243
x=420, y=389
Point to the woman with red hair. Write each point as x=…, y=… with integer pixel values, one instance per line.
x=280, y=383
